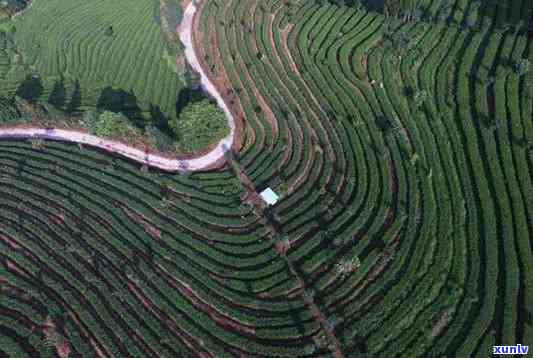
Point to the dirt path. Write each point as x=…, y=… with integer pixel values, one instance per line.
x=208, y=160
x=185, y=32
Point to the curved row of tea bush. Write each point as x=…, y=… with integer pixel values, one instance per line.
x=435, y=153
x=402, y=153
x=82, y=51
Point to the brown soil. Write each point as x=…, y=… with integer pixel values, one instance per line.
x=284, y=40
x=12, y=243
x=442, y=323
x=267, y=111
x=181, y=62
x=59, y=219
x=12, y=266
x=191, y=342
x=300, y=180
x=213, y=312
x=364, y=63
x=253, y=22
x=285, y=47
x=374, y=273
x=149, y=228
x=49, y=330
x=220, y=80
x=184, y=4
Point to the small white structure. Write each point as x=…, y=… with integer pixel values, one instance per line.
x=269, y=196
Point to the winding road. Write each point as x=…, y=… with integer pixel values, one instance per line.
x=195, y=164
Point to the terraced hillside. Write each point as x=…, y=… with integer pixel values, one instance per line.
x=97, y=53
x=12, y=7
x=505, y=13
x=403, y=153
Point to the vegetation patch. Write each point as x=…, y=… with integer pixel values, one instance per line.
x=88, y=46
x=200, y=125
x=400, y=143
x=9, y=8
x=110, y=124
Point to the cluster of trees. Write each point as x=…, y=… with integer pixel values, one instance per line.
x=402, y=8
x=353, y=3
x=409, y=10
x=478, y=12
x=16, y=110
x=199, y=125
x=118, y=114
x=116, y=125
x=110, y=124
x=10, y=7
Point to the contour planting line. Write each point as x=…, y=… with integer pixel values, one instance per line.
x=142, y=156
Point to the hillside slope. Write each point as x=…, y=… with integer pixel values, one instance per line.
x=403, y=155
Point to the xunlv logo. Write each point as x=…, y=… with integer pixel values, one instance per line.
x=518, y=349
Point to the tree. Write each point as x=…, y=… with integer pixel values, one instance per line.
x=118, y=100
x=90, y=120
x=159, y=139
x=111, y=124
x=75, y=99
x=522, y=66
x=199, y=125
x=37, y=143
x=414, y=158
x=58, y=95
x=283, y=244
x=30, y=88
x=420, y=97
x=192, y=78
x=109, y=31
x=347, y=266
x=470, y=22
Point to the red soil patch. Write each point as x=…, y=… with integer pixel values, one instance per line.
x=12, y=243
x=180, y=61
x=300, y=180
x=217, y=316
x=59, y=219
x=185, y=3
x=11, y=265
x=148, y=227
x=293, y=292
x=364, y=63
x=442, y=323
x=224, y=321
x=253, y=22
x=191, y=342
x=281, y=248
x=284, y=40
x=265, y=108
x=49, y=330
x=220, y=80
